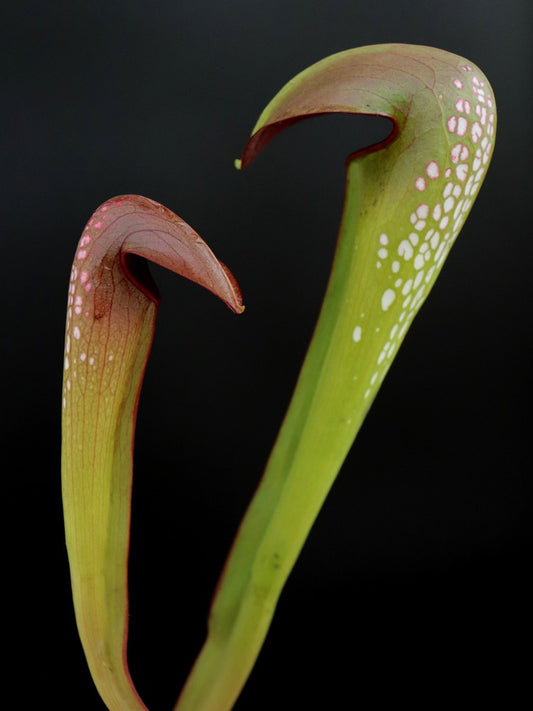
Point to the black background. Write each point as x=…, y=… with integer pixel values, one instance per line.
x=413, y=586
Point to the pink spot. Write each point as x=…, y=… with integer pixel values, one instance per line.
x=84, y=276
x=452, y=124
x=432, y=170
x=460, y=105
x=77, y=310
x=461, y=172
x=104, y=209
x=447, y=172
x=420, y=184
x=98, y=225
x=468, y=106
x=465, y=153
x=467, y=68
x=85, y=240
x=78, y=301
x=458, y=83
x=475, y=81
x=88, y=286
x=82, y=254
x=462, y=126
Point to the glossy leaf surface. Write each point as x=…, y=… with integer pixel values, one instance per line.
x=112, y=306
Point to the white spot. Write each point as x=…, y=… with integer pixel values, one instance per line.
x=432, y=170
x=476, y=132
x=66, y=363
x=388, y=297
x=395, y=267
x=469, y=185
x=420, y=184
x=407, y=287
x=91, y=361
x=413, y=238
x=458, y=83
x=419, y=261
x=76, y=333
x=444, y=222
x=458, y=209
x=83, y=356
x=422, y=211
x=462, y=126
x=405, y=249
x=461, y=171
x=435, y=240
x=383, y=253
x=356, y=335
x=449, y=203
x=456, y=192
x=429, y=274
x=456, y=152
x=420, y=225
x=452, y=124
x=437, y=210
x=383, y=239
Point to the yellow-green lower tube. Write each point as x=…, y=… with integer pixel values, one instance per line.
x=332, y=397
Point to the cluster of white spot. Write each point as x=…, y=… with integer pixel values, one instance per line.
x=412, y=264
x=80, y=306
